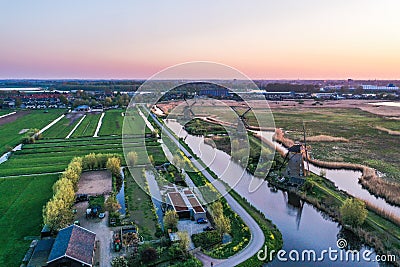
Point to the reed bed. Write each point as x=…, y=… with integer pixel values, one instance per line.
x=390, y=191
x=391, y=132
x=326, y=138
x=391, y=216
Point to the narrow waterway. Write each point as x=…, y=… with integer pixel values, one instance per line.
x=347, y=180
x=121, y=194
x=302, y=226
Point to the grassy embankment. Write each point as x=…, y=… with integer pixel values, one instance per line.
x=379, y=225
x=240, y=238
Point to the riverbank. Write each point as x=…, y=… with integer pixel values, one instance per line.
x=325, y=196
x=245, y=211
x=390, y=191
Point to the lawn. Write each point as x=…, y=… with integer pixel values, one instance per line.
x=10, y=136
x=88, y=126
x=112, y=123
x=21, y=214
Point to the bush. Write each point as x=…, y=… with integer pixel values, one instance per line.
x=149, y=254
x=353, y=212
x=206, y=239
x=171, y=219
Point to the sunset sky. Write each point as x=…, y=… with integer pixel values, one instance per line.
x=307, y=39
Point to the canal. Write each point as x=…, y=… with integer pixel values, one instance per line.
x=303, y=227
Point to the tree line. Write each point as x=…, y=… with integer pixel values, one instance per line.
x=57, y=213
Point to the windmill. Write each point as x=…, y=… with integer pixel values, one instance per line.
x=295, y=159
x=305, y=148
x=242, y=124
x=188, y=113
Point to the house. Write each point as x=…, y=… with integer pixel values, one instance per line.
x=81, y=108
x=186, y=205
x=74, y=246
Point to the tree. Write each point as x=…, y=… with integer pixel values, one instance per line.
x=56, y=214
x=359, y=90
x=131, y=158
x=89, y=161
x=71, y=175
x=120, y=261
x=222, y=224
x=112, y=204
x=114, y=166
x=353, y=212
x=64, y=189
x=63, y=99
x=18, y=102
x=171, y=219
x=107, y=101
x=184, y=241
x=149, y=254
x=217, y=209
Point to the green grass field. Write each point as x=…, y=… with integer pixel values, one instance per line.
x=60, y=129
x=10, y=136
x=367, y=145
x=112, y=123
x=88, y=126
x=21, y=203
x=4, y=112
x=22, y=198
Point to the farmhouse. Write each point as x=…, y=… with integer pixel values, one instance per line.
x=186, y=205
x=74, y=246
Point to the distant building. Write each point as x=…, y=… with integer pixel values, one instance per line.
x=82, y=108
x=389, y=87
x=217, y=92
x=186, y=205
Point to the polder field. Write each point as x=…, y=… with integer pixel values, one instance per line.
x=368, y=141
x=11, y=126
x=366, y=138
x=27, y=177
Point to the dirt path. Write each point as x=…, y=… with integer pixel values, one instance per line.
x=12, y=117
x=96, y=133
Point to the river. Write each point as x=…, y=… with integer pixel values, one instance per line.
x=302, y=226
x=347, y=180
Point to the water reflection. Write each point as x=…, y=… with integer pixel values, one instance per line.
x=302, y=226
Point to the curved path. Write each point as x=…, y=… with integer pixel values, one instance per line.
x=257, y=236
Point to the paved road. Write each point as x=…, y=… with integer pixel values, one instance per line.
x=257, y=236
